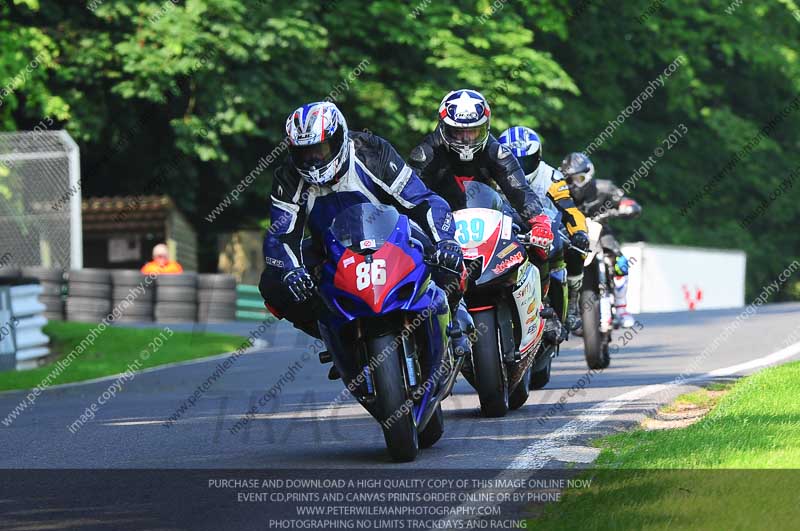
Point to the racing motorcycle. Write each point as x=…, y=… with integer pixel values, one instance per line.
x=386, y=328
x=597, y=294
x=503, y=296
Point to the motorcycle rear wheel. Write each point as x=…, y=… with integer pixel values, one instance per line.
x=433, y=430
x=521, y=392
x=541, y=377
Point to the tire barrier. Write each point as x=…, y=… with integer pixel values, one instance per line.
x=51, y=279
x=216, y=297
x=10, y=272
x=176, y=298
x=127, y=284
x=89, y=295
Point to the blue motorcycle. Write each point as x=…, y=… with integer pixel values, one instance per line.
x=386, y=327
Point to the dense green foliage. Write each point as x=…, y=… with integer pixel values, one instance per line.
x=201, y=88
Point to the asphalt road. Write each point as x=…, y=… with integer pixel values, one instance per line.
x=300, y=429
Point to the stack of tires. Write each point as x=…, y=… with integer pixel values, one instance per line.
x=176, y=298
x=52, y=281
x=216, y=295
x=89, y=295
x=10, y=272
x=129, y=285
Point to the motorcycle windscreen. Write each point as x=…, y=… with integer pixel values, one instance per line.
x=479, y=195
x=365, y=227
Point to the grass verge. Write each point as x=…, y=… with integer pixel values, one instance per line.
x=114, y=349
x=727, y=471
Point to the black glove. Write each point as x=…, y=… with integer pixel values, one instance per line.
x=448, y=255
x=300, y=284
x=581, y=240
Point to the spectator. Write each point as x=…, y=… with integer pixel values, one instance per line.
x=161, y=264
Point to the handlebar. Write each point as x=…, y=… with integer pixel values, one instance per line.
x=525, y=239
x=431, y=261
x=605, y=215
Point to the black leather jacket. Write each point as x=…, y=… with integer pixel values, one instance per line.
x=444, y=173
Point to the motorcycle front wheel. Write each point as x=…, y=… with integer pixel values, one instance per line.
x=597, y=356
x=394, y=414
x=487, y=364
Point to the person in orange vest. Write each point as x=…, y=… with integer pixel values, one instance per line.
x=161, y=264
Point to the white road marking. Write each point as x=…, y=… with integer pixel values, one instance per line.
x=536, y=455
x=553, y=445
x=215, y=357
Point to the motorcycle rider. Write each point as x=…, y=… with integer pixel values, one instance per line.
x=329, y=168
x=602, y=200
x=526, y=146
x=461, y=149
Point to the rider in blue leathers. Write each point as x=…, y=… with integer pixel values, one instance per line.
x=328, y=169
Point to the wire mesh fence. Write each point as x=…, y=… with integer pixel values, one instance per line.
x=40, y=199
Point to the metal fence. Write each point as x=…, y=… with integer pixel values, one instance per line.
x=40, y=199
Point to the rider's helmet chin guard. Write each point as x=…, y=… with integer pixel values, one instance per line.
x=319, y=145
x=526, y=146
x=578, y=170
x=464, y=122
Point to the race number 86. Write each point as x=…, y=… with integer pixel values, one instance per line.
x=370, y=274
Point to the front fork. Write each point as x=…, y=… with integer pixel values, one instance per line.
x=606, y=298
x=410, y=359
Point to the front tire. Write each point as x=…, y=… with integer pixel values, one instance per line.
x=487, y=364
x=397, y=421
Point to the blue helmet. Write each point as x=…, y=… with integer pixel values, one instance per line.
x=526, y=145
x=318, y=143
x=464, y=122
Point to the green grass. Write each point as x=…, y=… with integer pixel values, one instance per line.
x=705, y=476
x=115, y=349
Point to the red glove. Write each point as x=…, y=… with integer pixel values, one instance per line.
x=541, y=235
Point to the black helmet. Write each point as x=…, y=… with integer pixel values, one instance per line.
x=578, y=171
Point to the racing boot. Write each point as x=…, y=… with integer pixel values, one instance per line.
x=554, y=333
x=622, y=317
x=574, y=285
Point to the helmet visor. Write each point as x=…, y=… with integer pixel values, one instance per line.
x=467, y=136
x=317, y=156
x=529, y=163
x=580, y=179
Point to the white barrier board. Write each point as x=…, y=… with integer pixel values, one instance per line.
x=670, y=278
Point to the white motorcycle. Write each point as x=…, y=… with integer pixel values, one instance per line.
x=504, y=298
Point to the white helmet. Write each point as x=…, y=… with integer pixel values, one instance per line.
x=464, y=122
x=318, y=143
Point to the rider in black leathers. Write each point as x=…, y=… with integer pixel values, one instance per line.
x=602, y=200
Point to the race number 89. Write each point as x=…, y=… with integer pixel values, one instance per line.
x=374, y=274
